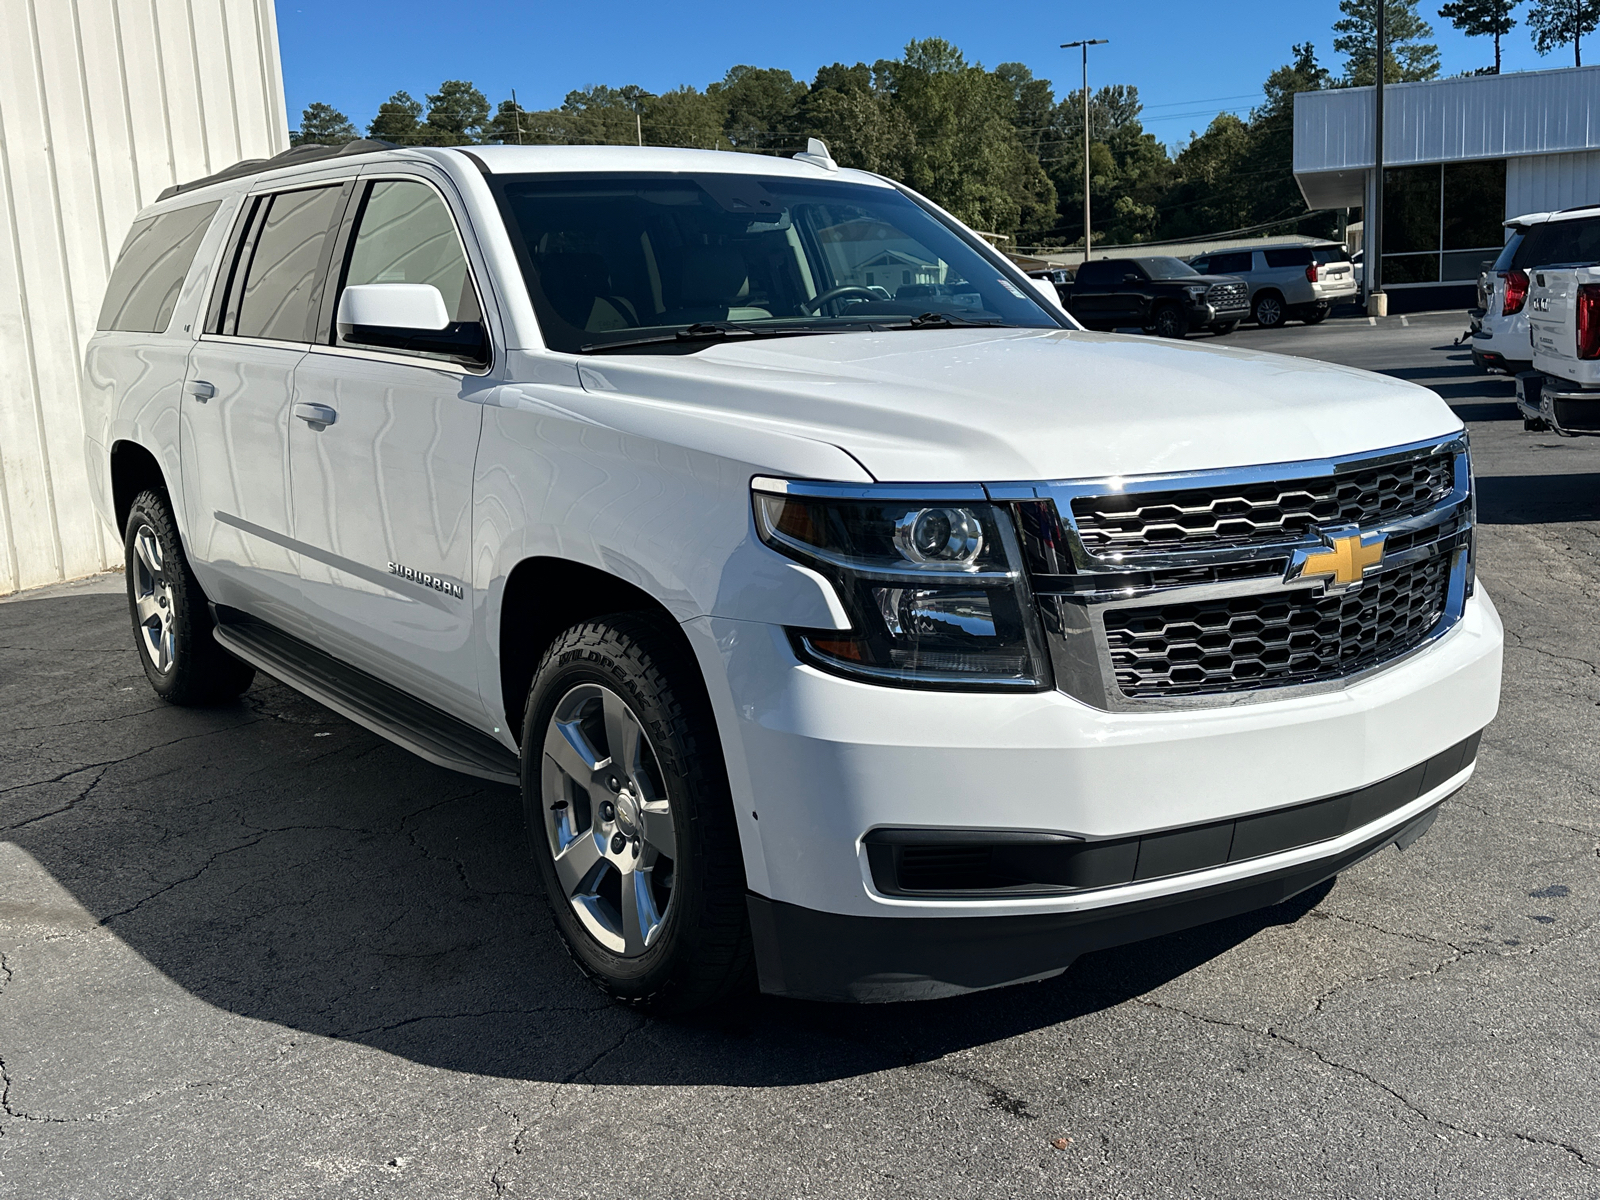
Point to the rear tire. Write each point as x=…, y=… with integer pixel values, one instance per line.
x=629, y=819
x=1316, y=314
x=1268, y=311
x=1170, y=322
x=171, y=619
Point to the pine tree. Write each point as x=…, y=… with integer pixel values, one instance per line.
x=1409, y=56
x=457, y=113
x=1482, y=18
x=1563, y=23
x=398, y=119
x=323, y=125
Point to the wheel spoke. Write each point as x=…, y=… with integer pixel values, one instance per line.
x=574, y=864
x=658, y=830
x=164, y=658
x=571, y=751
x=149, y=552
x=622, y=735
x=147, y=609
x=639, y=915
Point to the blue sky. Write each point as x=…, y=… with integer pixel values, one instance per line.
x=1188, y=60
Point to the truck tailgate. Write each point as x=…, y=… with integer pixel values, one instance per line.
x=1553, y=322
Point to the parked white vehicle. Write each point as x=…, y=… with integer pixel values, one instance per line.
x=900, y=647
x=1499, y=336
x=1562, y=390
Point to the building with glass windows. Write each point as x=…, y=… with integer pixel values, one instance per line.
x=1460, y=155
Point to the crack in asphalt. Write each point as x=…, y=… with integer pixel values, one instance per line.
x=1276, y=1037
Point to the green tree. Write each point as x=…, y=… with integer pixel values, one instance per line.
x=847, y=108
x=1483, y=18
x=509, y=126
x=1563, y=23
x=684, y=117
x=399, y=119
x=760, y=106
x=1409, y=55
x=457, y=113
x=605, y=116
x=323, y=125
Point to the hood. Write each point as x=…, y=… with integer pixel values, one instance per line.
x=1030, y=404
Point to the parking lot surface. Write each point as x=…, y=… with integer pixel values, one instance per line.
x=256, y=951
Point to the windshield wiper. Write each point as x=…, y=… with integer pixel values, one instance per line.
x=938, y=320
x=708, y=331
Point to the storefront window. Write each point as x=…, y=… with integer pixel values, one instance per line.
x=1441, y=223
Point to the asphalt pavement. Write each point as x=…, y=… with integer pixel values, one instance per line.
x=256, y=951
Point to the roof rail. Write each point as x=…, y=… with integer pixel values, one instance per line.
x=288, y=158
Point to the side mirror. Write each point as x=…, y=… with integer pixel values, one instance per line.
x=1047, y=292
x=408, y=316
x=1130, y=277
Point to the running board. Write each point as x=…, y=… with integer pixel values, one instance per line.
x=369, y=702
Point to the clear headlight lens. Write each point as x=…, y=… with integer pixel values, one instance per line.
x=935, y=591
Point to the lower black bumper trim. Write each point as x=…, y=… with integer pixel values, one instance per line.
x=812, y=955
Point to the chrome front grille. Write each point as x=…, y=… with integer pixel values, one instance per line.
x=1187, y=590
x=1262, y=512
x=1249, y=642
x=1228, y=295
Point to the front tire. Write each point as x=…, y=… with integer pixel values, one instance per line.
x=1224, y=328
x=1268, y=310
x=628, y=816
x=171, y=619
x=1170, y=322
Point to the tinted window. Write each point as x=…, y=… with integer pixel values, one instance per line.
x=1102, y=271
x=1330, y=254
x=1508, y=256
x=284, y=262
x=405, y=234
x=1564, y=242
x=1167, y=268
x=608, y=256
x=1299, y=256
x=151, y=268
x=1236, y=263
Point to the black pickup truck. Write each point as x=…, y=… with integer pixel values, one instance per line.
x=1156, y=293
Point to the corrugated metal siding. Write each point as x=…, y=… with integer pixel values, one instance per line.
x=1548, y=182
x=102, y=104
x=1480, y=116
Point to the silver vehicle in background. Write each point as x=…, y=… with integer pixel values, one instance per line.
x=1298, y=280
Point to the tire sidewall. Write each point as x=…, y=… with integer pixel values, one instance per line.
x=581, y=660
x=147, y=512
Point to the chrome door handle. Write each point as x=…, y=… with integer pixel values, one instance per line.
x=200, y=390
x=316, y=414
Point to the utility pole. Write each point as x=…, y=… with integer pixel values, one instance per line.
x=516, y=111
x=1085, y=47
x=1377, y=301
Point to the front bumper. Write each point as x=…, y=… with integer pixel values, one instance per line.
x=1204, y=314
x=811, y=955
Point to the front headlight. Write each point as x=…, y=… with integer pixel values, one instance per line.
x=1197, y=292
x=934, y=588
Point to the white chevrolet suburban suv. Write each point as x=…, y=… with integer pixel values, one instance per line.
x=850, y=620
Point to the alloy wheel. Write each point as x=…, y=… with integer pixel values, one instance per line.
x=152, y=600
x=1269, y=312
x=608, y=819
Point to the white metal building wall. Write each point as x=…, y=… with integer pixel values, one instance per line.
x=1550, y=182
x=103, y=103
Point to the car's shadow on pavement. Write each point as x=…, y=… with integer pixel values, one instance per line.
x=279, y=863
x=1538, y=499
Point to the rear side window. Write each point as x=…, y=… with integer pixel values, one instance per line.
x=1298, y=256
x=274, y=280
x=151, y=268
x=1562, y=242
x=1508, y=256
x=405, y=234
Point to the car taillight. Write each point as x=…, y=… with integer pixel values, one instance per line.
x=1589, y=320
x=1311, y=273
x=1516, y=293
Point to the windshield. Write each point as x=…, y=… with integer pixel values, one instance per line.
x=1508, y=256
x=611, y=259
x=1166, y=268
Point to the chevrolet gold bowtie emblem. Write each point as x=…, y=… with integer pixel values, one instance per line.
x=1345, y=562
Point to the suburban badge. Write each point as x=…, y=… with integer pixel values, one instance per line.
x=426, y=580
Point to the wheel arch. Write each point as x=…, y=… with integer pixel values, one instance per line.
x=133, y=469
x=544, y=596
